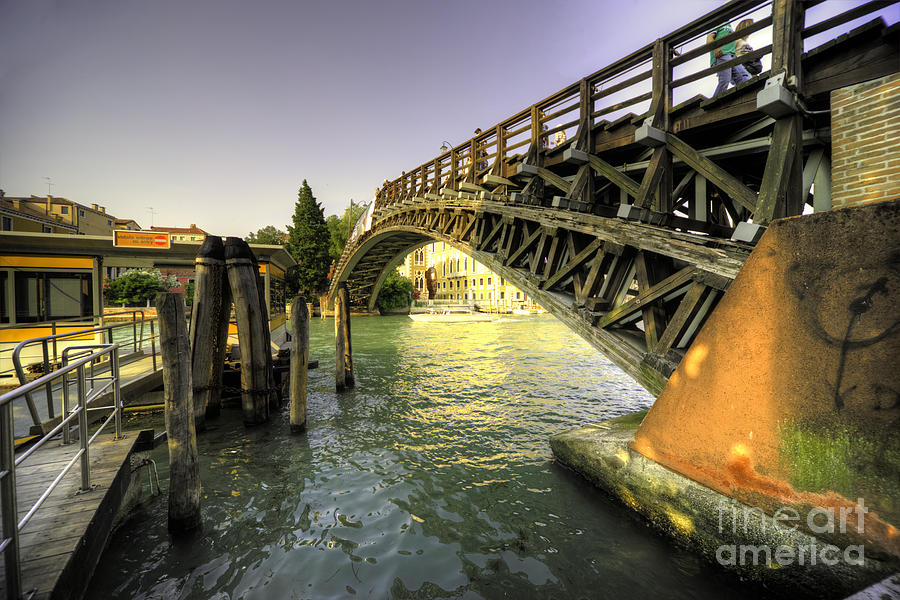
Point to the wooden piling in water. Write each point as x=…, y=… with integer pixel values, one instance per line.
x=252, y=328
x=274, y=395
x=299, y=363
x=184, y=468
x=209, y=329
x=343, y=368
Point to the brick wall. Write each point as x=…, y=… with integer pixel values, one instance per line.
x=865, y=142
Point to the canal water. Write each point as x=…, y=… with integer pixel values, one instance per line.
x=433, y=479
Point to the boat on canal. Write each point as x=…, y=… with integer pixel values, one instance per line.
x=450, y=314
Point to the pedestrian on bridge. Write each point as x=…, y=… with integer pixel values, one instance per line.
x=737, y=74
x=742, y=47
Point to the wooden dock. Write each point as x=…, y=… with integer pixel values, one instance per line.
x=62, y=544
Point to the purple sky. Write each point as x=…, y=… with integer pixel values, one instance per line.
x=213, y=112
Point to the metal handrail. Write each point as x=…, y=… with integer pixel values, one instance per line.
x=75, y=320
x=45, y=340
x=11, y=524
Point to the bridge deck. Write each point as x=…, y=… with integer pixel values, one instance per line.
x=62, y=543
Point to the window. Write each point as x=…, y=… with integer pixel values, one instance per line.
x=4, y=305
x=518, y=295
x=109, y=223
x=473, y=283
x=501, y=281
x=80, y=212
x=7, y=224
x=46, y=229
x=502, y=295
x=63, y=210
x=465, y=283
x=489, y=281
x=457, y=264
x=278, y=296
x=48, y=296
x=465, y=264
x=482, y=296
x=481, y=282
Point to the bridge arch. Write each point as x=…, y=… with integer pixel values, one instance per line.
x=579, y=267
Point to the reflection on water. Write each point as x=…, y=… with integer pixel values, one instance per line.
x=433, y=479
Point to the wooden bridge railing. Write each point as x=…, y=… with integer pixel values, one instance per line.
x=650, y=81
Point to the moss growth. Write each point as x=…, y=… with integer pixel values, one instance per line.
x=817, y=460
x=631, y=419
x=830, y=455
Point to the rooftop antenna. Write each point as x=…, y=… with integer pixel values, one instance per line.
x=152, y=213
x=49, y=185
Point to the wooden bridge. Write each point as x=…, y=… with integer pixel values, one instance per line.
x=632, y=229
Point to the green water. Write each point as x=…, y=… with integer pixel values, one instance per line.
x=433, y=479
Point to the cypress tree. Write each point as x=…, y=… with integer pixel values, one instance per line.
x=308, y=244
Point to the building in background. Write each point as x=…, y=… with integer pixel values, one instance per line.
x=16, y=215
x=183, y=234
x=38, y=213
x=414, y=267
x=129, y=224
x=461, y=279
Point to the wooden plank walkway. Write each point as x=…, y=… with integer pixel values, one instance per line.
x=61, y=544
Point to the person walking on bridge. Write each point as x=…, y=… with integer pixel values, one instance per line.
x=737, y=74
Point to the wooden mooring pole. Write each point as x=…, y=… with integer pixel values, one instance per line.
x=184, y=468
x=274, y=394
x=343, y=368
x=252, y=328
x=209, y=329
x=299, y=363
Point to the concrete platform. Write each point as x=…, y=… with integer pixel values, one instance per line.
x=740, y=538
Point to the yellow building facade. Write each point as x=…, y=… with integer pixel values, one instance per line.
x=461, y=279
x=60, y=214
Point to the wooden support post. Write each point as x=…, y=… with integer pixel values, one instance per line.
x=241, y=269
x=299, y=363
x=209, y=329
x=274, y=394
x=343, y=368
x=781, y=190
x=184, y=468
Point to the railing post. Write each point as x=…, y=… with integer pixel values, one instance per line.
x=497, y=168
x=8, y=502
x=536, y=129
x=134, y=334
x=67, y=435
x=153, y=343
x=117, y=391
x=53, y=331
x=83, y=432
x=49, y=390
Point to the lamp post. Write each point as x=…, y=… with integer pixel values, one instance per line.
x=445, y=145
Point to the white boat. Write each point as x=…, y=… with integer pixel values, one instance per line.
x=450, y=314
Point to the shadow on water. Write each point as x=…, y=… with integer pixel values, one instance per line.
x=432, y=479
